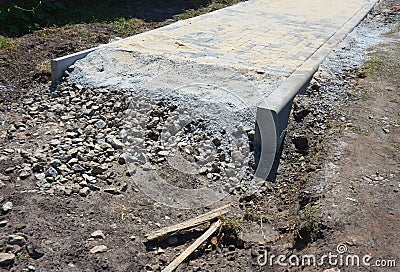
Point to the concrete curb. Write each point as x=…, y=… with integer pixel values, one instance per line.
x=273, y=113
x=59, y=65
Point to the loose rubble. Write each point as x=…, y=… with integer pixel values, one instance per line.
x=95, y=130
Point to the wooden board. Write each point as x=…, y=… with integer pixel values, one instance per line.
x=189, y=223
x=174, y=264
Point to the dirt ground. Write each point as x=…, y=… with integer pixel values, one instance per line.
x=337, y=188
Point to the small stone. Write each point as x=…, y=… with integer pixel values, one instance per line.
x=55, y=163
x=35, y=251
x=60, y=188
x=93, y=187
x=97, y=234
x=31, y=268
x=215, y=168
x=163, y=153
x=332, y=270
x=104, y=146
x=9, y=170
x=38, y=167
x=203, y=170
x=24, y=173
x=41, y=157
x=124, y=187
x=114, y=142
x=84, y=191
x=68, y=191
x=24, y=154
x=73, y=161
x=301, y=142
x=100, y=124
x=122, y=158
x=133, y=237
x=4, y=177
x=51, y=172
x=55, y=142
x=8, y=206
x=385, y=130
x=2, y=184
x=3, y=223
x=98, y=170
x=216, y=141
x=89, y=178
x=16, y=240
x=112, y=191
x=77, y=168
x=6, y=259
x=98, y=249
x=40, y=176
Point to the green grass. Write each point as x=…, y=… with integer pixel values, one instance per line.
x=187, y=14
x=212, y=5
x=34, y=15
x=232, y=225
x=125, y=26
x=357, y=129
x=394, y=100
x=80, y=30
x=257, y=216
x=226, y=2
x=6, y=43
x=310, y=222
x=373, y=66
x=363, y=95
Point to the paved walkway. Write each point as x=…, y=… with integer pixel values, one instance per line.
x=260, y=51
x=262, y=35
x=274, y=37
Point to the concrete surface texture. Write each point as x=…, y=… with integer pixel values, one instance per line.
x=261, y=35
x=245, y=51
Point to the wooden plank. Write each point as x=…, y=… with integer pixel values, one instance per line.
x=174, y=264
x=189, y=223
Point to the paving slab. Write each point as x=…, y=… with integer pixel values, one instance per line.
x=257, y=55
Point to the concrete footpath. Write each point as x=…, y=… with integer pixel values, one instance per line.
x=262, y=51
